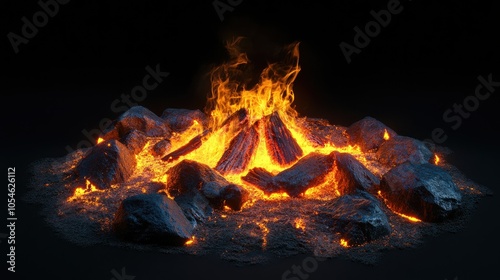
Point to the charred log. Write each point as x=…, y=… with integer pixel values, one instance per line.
x=240, y=151
x=280, y=143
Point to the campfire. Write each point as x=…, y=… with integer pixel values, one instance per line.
x=250, y=175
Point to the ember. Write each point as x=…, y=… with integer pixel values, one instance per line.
x=251, y=171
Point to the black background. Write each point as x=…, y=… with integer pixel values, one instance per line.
x=428, y=58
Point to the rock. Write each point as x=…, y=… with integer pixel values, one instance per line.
x=137, y=118
x=153, y=187
x=195, y=206
x=234, y=196
x=106, y=164
x=152, y=218
x=190, y=176
x=308, y=172
x=352, y=175
x=425, y=191
x=262, y=179
x=368, y=133
x=178, y=120
x=358, y=218
x=135, y=141
x=320, y=133
x=161, y=148
x=400, y=149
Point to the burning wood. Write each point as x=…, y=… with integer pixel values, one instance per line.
x=240, y=151
x=280, y=143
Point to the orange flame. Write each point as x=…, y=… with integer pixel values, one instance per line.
x=386, y=135
x=190, y=241
x=436, y=159
x=344, y=243
x=99, y=140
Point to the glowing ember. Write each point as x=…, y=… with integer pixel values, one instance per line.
x=436, y=159
x=386, y=135
x=190, y=241
x=408, y=217
x=344, y=243
x=99, y=140
x=300, y=224
x=82, y=191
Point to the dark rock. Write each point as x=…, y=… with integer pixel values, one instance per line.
x=400, y=149
x=154, y=187
x=352, y=175
x=135, y=141
x=161, y=148
x=358, y=218
x=152, y=218
x=178, y=120
x=137, y=118
x=424, y=191
x=195, y=206
x=106, y=164
x=190, y=176
x=308, y=172
x=320, y=133
x=368, y=133
x=234, y=196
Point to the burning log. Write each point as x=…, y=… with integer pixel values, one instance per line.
x=352, y=175
x=280, y=143
x=152, y=218
x=400, y=149
x=424, y=191
x=107, y=164
x=358, y=218
x=308, y=172
x=161, y=147
x=369, y=134
x=240, y=151
x=241, y=116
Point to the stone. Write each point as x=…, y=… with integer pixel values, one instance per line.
x=352, y=175
x=357, y=218
x=400, y=149
x=152, y=218
x=106, y=164
x=135, y=141
x=368, y=134
x=425, y=191
x=161, y=148
x=179, y=120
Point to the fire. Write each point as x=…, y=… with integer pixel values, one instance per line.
x=82, y=191
x=436, y=159
x=386, y=135
x=408, y=217
x=99, y=140
x=190, y=241
x=344, y=243
x=300, y=224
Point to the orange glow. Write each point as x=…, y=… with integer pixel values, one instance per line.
x=190, y=241
x=99, y=140
x=408, y=217
x=82, y=191
x=386, y=135
x=344, y=243
x=300, y=224
x=436, y=159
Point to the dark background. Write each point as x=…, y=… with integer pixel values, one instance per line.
x=424, y=61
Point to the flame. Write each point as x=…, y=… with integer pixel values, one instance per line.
x=436, y=159
x=408, y=217
x=386, y=135
x=99, y=140
x=300, y=224
x=344, y=243
x=190, y=241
